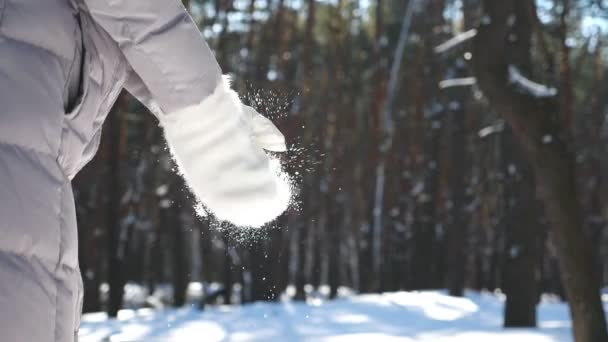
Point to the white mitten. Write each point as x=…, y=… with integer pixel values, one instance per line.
x=218, y=147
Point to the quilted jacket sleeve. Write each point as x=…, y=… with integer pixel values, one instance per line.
x=163, y=46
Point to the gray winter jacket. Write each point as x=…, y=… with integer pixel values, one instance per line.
x=62, y=65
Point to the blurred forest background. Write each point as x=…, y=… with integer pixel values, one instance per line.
x=435, y=143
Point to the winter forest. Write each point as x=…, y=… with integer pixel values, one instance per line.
x=438, y=149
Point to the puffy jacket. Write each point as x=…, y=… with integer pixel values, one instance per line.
x=62, y=66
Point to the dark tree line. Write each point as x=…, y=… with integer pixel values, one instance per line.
x=435, y=144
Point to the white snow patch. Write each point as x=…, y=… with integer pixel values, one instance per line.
x=403, y=316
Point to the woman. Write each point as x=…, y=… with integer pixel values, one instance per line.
x=62, y=65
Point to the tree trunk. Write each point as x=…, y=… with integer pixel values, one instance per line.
x=457, y=231
x=227, y=274
x=532, y=119
x=179, y=267
x=305, y=232
x=523, y=245
x=115, y=259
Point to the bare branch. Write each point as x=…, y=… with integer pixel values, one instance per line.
x=456, y=41
x=458, y=82
x=497, y=127
x=528, y=86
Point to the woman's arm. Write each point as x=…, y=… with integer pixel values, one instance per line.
x=163, y=46
x=215, y=140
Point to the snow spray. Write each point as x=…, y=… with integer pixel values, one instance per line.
x=289, y=166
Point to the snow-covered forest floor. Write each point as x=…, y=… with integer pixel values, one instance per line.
x=403, y=316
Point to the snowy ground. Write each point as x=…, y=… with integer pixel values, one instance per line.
x=403, y=316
